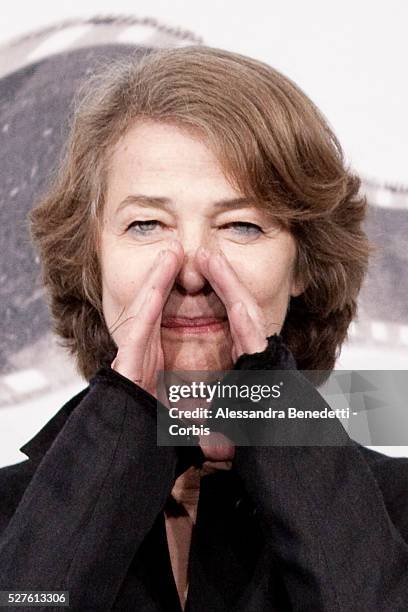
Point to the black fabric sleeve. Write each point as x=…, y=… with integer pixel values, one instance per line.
x=323, y=512
x=93, y=498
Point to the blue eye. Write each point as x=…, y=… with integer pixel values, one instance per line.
x=143, y=227
x=242, y=227
x=249, y=228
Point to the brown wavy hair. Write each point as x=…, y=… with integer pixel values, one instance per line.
x=273, y=144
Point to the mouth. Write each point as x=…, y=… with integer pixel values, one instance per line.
x=195, y=325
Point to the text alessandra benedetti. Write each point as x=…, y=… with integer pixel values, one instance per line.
x=268, y=413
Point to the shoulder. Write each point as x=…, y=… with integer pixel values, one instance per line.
x=394, y=467
x=391, y=474
x=14, y=479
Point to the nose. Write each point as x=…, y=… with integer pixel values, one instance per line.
x=189, y=278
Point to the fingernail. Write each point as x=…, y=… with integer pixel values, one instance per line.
x=242, y=309
x=221, y=257
x=203, y=252
x=148, y=295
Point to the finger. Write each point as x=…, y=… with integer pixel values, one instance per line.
x=234, y=353
x=160, y=276
x=138, y=350
x=142, y=337
x=139, y=326
x=250, y=337
x=133, y=310
x=217, y=447
x=237, y=349
x=226, y=282
x=248, y=332
x=170, y=264
x=164, y=271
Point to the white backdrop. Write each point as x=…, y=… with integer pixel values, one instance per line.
x=348, y=57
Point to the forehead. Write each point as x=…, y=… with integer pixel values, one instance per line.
x=164, y=160
x=158, y=147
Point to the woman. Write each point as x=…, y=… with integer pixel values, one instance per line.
x=203, y=219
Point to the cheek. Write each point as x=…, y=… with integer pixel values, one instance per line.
x=120, y=284
x=276, y=287
x=273, y=297
x=269, y=283
x=268, y=277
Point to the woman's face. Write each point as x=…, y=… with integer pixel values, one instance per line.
x=155, y=160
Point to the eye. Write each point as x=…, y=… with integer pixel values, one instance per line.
x=142, y=227
x=244, y=228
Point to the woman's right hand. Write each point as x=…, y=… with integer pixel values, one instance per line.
x=138, y=336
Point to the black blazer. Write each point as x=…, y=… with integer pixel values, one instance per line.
x=306, y=528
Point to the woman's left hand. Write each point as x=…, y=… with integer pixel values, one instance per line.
x=246, y=320
x=247, y=327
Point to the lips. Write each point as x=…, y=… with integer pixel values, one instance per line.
x=175, y=322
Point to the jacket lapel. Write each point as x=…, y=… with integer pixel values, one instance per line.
x=37, y=446
x=230, y=567
x=149, y=584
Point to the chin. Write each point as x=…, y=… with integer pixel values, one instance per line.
x=205, y=356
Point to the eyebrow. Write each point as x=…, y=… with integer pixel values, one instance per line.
x=168, y=204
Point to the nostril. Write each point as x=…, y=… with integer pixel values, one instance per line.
x=183, y=288
x=191, y=280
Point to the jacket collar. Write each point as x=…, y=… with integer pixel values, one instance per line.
x=37, y=446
